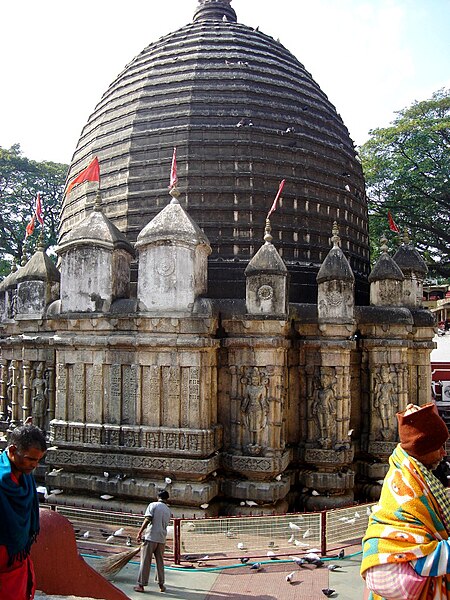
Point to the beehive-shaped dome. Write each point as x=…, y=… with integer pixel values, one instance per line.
x=243, y=113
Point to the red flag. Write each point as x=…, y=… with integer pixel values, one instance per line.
x=38, y=211
x=392, y=224
x=29, y=228
x=173, y=170
x=274, y=205
x=90, y=173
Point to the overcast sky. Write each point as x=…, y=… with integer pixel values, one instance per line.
x=371, y=57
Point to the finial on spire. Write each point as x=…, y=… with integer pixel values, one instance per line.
x=215, y=10
x=406, y=239
x=267, y=232
x=335, y=239
x=40, y=242
x=98, y=202
x=23, y=260
x=175, y=193
x=384, y=246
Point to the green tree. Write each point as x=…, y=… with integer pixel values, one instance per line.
x=407, y=169
x=20, y=180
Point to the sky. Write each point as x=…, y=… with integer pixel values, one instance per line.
x=371, y=57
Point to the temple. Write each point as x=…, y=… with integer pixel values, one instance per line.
x=185, y=340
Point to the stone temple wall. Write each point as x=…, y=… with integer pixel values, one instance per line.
x=233, y=405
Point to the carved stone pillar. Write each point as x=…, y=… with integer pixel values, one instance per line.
x=3, y=390
x=51, y=391
x=14, y=379
x=26, y=387
x=255, y=436
x=328, y=448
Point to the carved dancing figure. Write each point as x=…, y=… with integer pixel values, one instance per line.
x=255, y=408
x=385, y=401
x=324, y=406
x=39, y=398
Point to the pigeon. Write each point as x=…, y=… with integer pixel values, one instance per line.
x=328, y=592
x=119, y=532
x=291, y=539
x=315, y=493
x=298, y=543
x=290, y=577
x=271, y=544
x=368, y=511
x=333, y=567
x=241, y=546
x=380, y=481
x=106, y=497
x=351, y=521
x=244, y=559
x=224, y=19
x=341, y=554
x=271, y=554
x=56, y=492
x=204, y=506
x=294, y=526
x=128, y=542
x=106, y=474
x=357, y=515
x=230, y=534
x=86, y=534
x=349, y=432
x=251, y=503
x=278, y=477
x=298, y=560
x=167, y=481
x=347, y=187
x=307, y=533
x=109, y=539
x=241, y=503
x=55, y=471
x=311, y=556
x=256, y=566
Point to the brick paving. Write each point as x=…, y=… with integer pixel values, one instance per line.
x=269, y=583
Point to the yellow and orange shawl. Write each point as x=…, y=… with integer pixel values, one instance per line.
x=406, y=524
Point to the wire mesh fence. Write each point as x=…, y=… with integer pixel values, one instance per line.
x=251, y=536
x=346, y=524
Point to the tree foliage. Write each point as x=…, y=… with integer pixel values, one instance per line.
x=20, y=180
x=407, y=167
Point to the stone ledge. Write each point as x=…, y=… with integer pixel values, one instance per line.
x=259, y=467
x=126, y=463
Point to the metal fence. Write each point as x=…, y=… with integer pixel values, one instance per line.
x=259, y=536
x=252, y=536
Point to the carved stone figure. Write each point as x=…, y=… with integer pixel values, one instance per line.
x=323, y=406
x=255, y=409
x=39, y=397
x=385, y=401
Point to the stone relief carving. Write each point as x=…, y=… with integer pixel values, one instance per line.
x=254, y=409
x=323, y=405
x=385, y=401
x=39, y=399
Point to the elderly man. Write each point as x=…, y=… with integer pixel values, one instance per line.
x=406, y=551
x=19, y=511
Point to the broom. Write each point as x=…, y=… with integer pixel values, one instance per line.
x=111, y=565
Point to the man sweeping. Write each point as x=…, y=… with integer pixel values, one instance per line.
x=19, y=511
x=156, y=520
x=406, y=550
